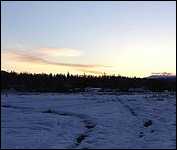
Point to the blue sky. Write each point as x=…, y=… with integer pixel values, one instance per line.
x=133, y=38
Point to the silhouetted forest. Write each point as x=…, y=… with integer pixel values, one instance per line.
x=66, y=83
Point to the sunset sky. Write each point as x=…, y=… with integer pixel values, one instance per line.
x=126, y=38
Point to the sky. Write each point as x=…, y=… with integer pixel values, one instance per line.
x=112, y=37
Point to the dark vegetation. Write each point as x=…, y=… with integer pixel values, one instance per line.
x=80, y=138
x=147, y=123
x=75, y=83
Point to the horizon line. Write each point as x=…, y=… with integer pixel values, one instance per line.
x=79, y=74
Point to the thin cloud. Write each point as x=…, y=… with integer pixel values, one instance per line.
x=64, y=52
x=23, y=57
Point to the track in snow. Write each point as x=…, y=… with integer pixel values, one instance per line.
x=88, y=122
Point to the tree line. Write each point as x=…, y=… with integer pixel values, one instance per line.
x=68, y=82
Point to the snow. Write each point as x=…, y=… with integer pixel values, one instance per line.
x=88, y=120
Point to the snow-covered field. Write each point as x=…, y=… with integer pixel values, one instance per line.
x=88, y=120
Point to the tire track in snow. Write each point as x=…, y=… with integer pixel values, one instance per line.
x=17, y=107
x=88, y=122
x=127, y=107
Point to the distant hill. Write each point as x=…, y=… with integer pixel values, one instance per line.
x=168, y=77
